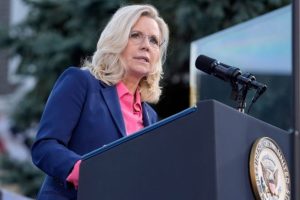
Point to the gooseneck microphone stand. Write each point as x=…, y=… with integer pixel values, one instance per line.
x=240, y=90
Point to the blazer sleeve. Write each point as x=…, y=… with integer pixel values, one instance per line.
x=62, y=111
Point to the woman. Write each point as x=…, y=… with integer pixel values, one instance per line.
x=103, y=101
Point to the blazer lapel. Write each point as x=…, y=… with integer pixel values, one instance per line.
x=146, y=119
x=112, y=101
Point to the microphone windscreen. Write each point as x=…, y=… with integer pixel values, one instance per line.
x=205, y=64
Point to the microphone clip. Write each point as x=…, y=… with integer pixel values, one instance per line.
x=240, y=88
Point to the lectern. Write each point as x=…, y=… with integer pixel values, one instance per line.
x=200, y=153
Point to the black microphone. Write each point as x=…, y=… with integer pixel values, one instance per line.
x=214, y=67
x=227, y=73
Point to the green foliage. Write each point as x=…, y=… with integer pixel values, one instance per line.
x=55, y=35
x=24, y=174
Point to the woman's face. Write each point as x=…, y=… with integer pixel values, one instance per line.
x=142, y=51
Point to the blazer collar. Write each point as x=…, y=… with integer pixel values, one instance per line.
x=112, y=101
x=146, y=118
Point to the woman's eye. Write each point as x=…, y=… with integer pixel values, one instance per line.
x=135, y=35
x=153, y=40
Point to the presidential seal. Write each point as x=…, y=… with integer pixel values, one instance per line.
x=269, y=173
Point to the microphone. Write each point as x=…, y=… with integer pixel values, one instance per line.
x=227, y=73
x=214, y=67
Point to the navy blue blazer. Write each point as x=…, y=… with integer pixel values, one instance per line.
x=81, y=115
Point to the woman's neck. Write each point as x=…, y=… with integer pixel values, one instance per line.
x=131, y=85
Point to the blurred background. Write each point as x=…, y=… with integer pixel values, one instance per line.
x=41, y=38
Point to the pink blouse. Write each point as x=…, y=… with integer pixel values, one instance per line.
x=131, y=109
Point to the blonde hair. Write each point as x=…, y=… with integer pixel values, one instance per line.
x=106, y=64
